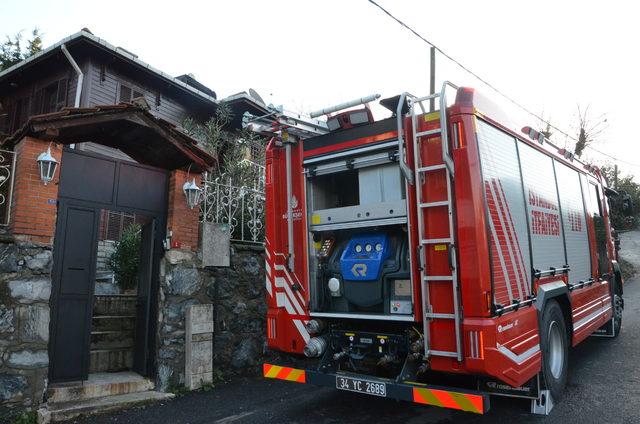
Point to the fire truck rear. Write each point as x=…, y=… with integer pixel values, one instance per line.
x=437, y=257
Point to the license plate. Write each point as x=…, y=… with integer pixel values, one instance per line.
x=361, y=386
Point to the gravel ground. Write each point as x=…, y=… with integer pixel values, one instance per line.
x=603, y=387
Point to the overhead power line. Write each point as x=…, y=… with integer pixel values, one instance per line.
x=491, y=86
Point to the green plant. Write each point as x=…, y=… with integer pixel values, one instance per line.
x=241, y=152
x=125, y=260
x=178, y=390
x=26, y=418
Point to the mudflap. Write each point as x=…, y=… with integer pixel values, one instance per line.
x=607, y=330
x=541, y=401
x=445, y=397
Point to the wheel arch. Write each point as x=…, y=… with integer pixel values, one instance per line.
x=559, y=292
x=619, y=282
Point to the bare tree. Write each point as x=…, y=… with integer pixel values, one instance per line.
x=589, y=129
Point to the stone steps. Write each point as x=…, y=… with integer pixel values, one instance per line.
x=102, y=392
x=114, y=305
x=113, y=328
x=110, y=360
x=105, y=340
x=99, y=385
x=113, y=322
x=69, y=410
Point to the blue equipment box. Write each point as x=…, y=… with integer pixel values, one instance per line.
x=363, y=257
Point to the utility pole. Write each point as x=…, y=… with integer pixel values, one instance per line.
x=432, y=79
x=615, y=176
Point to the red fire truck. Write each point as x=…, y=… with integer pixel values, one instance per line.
x=437, y=257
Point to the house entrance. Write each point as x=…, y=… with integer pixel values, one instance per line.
x=110, y=227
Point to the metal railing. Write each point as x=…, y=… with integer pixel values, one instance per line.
x=7, y=166
x=239, y=206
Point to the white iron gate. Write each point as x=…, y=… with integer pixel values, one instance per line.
x=241, y=207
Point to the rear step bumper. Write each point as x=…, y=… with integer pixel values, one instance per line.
x=444, y=397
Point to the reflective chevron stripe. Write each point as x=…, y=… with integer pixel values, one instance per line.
x=446, y=399
x=284, y=373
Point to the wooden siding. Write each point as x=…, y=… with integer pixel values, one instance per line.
x=104, y=89
x=29, y=90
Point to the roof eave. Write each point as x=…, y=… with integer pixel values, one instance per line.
x=114, y=50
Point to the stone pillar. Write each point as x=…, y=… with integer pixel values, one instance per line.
x=181, y=220
x=33, y=211
x=198, y=346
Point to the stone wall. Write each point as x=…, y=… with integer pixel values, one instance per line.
x=25, y=288
x=237, y=293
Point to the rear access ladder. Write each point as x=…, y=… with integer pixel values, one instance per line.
x=421, y=174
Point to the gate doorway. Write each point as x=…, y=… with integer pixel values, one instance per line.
x=94, y=327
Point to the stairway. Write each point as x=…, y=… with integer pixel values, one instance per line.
x=112, y=333
x=102, y=392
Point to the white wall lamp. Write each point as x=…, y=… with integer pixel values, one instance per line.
x=193, y=193
x=47, y=165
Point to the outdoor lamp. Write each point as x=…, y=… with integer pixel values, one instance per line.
x=47, y=165
x=192, y=192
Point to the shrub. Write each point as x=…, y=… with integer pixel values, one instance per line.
x=125, y=260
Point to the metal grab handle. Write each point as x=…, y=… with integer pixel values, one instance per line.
x=406, y=171
x=444, y=126
x=450, y=256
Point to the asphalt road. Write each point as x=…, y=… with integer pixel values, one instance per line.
x=603, y=387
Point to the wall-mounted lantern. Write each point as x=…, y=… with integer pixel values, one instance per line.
x=193, y=193
x=47, y=165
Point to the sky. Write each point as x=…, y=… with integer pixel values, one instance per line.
x=550, y=56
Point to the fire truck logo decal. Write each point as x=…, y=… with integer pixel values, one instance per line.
x=545, y=218
x=509, y=274
x=359, y=270
x=294, y=202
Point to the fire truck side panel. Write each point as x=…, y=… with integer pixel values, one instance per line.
x=574, y=223
x=287, y=290
x=559, y=214
x=473, y=253
x=547, y=235
x=509, y=238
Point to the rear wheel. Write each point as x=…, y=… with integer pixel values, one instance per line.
x=618, y=306
x=555, y=349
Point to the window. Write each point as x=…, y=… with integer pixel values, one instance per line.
x=51, y=98
x=595, y=208
x=595, y=213
x=127, y=93
x=18, y=114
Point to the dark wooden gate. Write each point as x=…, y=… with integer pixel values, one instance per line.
x=88, y=184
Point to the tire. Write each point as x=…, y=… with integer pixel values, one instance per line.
x=618, y=307
x=554, y=342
